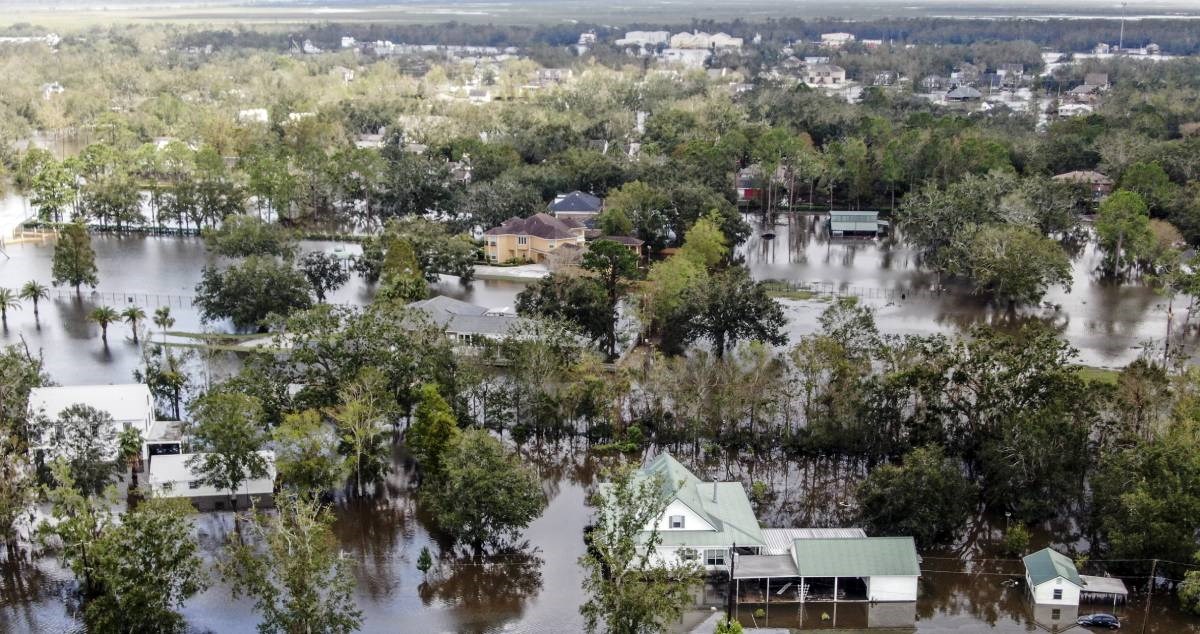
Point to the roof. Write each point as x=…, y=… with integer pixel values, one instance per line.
x=541, y=225
x=626, y=240
x=724, y=505
x=759, y=566
x=124, y=402
x=1085, y=176
x=459, y=317
x=857, y=557
x=779, y=540
x=1103, y=585
x=854, y=221
x=171, y=473
x=1047, y=565
x=576, y=201
x=964, y=92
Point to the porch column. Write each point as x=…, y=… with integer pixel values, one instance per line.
x=835, y=592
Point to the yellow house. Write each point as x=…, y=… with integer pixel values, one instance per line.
x=531, y=239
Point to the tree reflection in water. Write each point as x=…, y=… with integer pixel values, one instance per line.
x=501, y=582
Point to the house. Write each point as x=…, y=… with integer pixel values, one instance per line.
x=175, y=477
x=846, y=223
x=685, y=57
x=836, y=40
x=966, y=73
x=253, y=115
x=1084, y=94
x=578, y=206
x=962, y=93
x=1099, y=184
x=644, y=38
x=749, y=183
x=530, y=239
x=702, y=40
x=1051, y=578
x=871, y=44
x=824, y=75
x=1101, y=48
x=702, y=521
x=130, y=405
x=933, y=83
x=885, y=78
x=467, y=323
x=349, y=42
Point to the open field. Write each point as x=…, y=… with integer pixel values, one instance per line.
x=75, y=15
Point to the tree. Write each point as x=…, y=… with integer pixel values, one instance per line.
x=667, y=284
x=53, y=187
x=729, y=308
x=293, y=569
x=8, y=301
x=433, y=432
x=1123, y=229
x=725, y=626
x=424, y=561
x=324, y=272
x=228, y=434
x=630, y=590
x=250, y=291
x=575, y=299
x=486, y=494
x=639, y=209
x=400, y=274
x=103, y=316
x=927, y=496
x=243, y=236
x=705, y=243
x=163, y=318
x=164, y=376
x=438, y=252
x=360, y=423
x=614, y=265
x=306, y=455
x=145, y=567
x=1015, y=265
x=81, y=519
x=132, y=315
x=129, y=449
x=74, y=261
x=85, y=438
x=34, y=292
x=1189, y=590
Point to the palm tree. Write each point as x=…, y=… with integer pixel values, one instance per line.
x=34, y=292
x=8, y=301
x=132, y=316
x=163, y=319
x=104, y=315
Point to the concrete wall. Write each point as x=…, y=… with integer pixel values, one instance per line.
x=1044, y=594
x=892, y=588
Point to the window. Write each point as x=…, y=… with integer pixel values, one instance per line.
x=1057, y=594
x=194, y=484
x=1055, y=614
x=522, y=239
x=676, y=521
x=688, y=554
x=714, y=557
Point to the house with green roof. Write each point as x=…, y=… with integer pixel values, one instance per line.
x=702, y=521
x=1052, y=578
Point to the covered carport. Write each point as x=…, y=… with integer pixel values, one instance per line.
x=765, y=578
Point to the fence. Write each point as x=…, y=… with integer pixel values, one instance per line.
x=126, y=298
x=836, y=289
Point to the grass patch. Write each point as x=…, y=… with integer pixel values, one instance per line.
x=1098, y=375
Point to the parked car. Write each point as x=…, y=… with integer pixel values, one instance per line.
x=1100, y=620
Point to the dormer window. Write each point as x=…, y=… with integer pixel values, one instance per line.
x=676, y=521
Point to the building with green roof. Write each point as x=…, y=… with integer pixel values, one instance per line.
x=1052, y=578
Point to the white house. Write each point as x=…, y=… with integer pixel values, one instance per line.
x=173, y=477
x=836, y=40
x=253, y=115
x=129, y=405
x=1052, y=578
x=702, y=521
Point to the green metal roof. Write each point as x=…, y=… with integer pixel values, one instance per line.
x=724, y=505
x=1047, y=565
x=857, y=557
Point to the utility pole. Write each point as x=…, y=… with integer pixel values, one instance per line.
x=1149, y=595
x=1121, y=41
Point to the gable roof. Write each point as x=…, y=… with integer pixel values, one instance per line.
x=541, y=225
x=124, y=402
x=964, y=92
x=1089, y=177
x=1048, y=564
x=724, y=505
x=576, y=201
x=857, y=557
x=459, y=317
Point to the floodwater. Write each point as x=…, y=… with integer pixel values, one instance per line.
x=536, y=588
x=1107, y=322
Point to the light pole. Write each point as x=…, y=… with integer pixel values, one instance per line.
x=1007, y=515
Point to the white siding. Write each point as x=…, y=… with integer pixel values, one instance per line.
x=892, y=588
x=691, y=520
x=1044, y=594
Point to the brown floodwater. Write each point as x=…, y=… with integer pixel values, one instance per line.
x=536, y=587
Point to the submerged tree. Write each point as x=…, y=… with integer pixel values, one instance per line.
x=325, y=273
x=630, y=590
x=292, y=567
x=74, y=261
x=433, y=432
x=229, y=436
x=34, y=292
x=485, y=494
x=927, y=496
